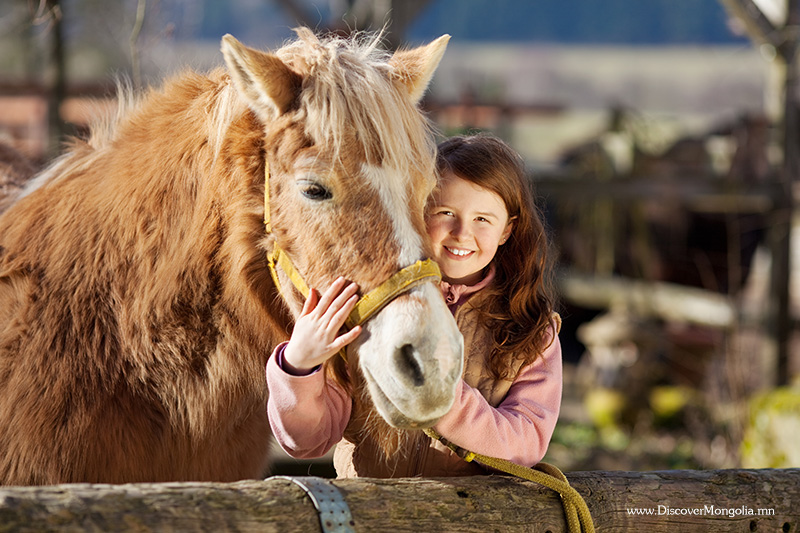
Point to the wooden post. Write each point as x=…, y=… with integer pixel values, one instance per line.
x=782, y=226
x=680, y=500
x=784, y=39
x=56, y=79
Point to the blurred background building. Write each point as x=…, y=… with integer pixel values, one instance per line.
x=556, y=67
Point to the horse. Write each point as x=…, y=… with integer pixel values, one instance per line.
x=137, y=307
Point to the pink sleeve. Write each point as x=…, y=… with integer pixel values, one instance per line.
x=519, y=429
x=308, y=414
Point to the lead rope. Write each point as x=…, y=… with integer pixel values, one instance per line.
x=579, y=519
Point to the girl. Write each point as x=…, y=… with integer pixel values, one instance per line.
x=489, y=241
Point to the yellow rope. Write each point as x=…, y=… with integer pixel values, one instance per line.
x=578, y=517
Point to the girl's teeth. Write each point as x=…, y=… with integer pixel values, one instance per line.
x=458, y=252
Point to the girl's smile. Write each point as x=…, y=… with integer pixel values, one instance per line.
x=458, y=252
x=466, y=223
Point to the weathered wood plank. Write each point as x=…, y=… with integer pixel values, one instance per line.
x=721, y=500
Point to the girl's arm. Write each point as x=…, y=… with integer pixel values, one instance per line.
x=308, y=414
x=519, y=429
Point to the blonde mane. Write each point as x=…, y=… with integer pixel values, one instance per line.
x=222, y=106
x=381, y=119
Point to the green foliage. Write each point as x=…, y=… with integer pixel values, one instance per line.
x=773, y=430
x=604, y=406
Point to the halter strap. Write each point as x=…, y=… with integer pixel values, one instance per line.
x=278, y=257
x=405, y=279
x=420, y=272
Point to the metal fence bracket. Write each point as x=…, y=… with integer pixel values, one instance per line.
x=334, y=513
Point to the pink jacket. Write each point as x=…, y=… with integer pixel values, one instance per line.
x=309, y=414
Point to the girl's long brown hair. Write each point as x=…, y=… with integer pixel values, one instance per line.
x=521, y=299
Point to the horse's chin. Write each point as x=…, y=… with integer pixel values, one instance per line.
x=401, y=417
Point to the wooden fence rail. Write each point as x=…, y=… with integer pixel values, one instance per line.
x=679, y=500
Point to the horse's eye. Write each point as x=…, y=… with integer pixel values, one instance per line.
x=315, y=191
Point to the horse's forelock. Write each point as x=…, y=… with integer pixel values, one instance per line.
x=347, y=96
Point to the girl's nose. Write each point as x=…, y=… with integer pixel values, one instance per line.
x=459, y=229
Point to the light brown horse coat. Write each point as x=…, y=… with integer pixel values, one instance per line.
x=136, y=307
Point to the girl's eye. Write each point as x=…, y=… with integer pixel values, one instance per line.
x=315, y=191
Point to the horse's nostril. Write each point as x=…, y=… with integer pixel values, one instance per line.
x=408, y=363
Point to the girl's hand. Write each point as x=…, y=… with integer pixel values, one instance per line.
x=315, y=337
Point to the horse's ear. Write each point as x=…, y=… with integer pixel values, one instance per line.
x=414, y=68
x=260, y=77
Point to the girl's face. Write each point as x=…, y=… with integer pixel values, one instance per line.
x=466, y=224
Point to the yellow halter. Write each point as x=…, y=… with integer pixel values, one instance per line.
x=370, y=303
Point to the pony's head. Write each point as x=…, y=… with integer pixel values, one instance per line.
x=351, y=162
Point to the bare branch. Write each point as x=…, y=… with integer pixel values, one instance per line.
x=300, y=14
x=757, y=25
x=137, y=29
